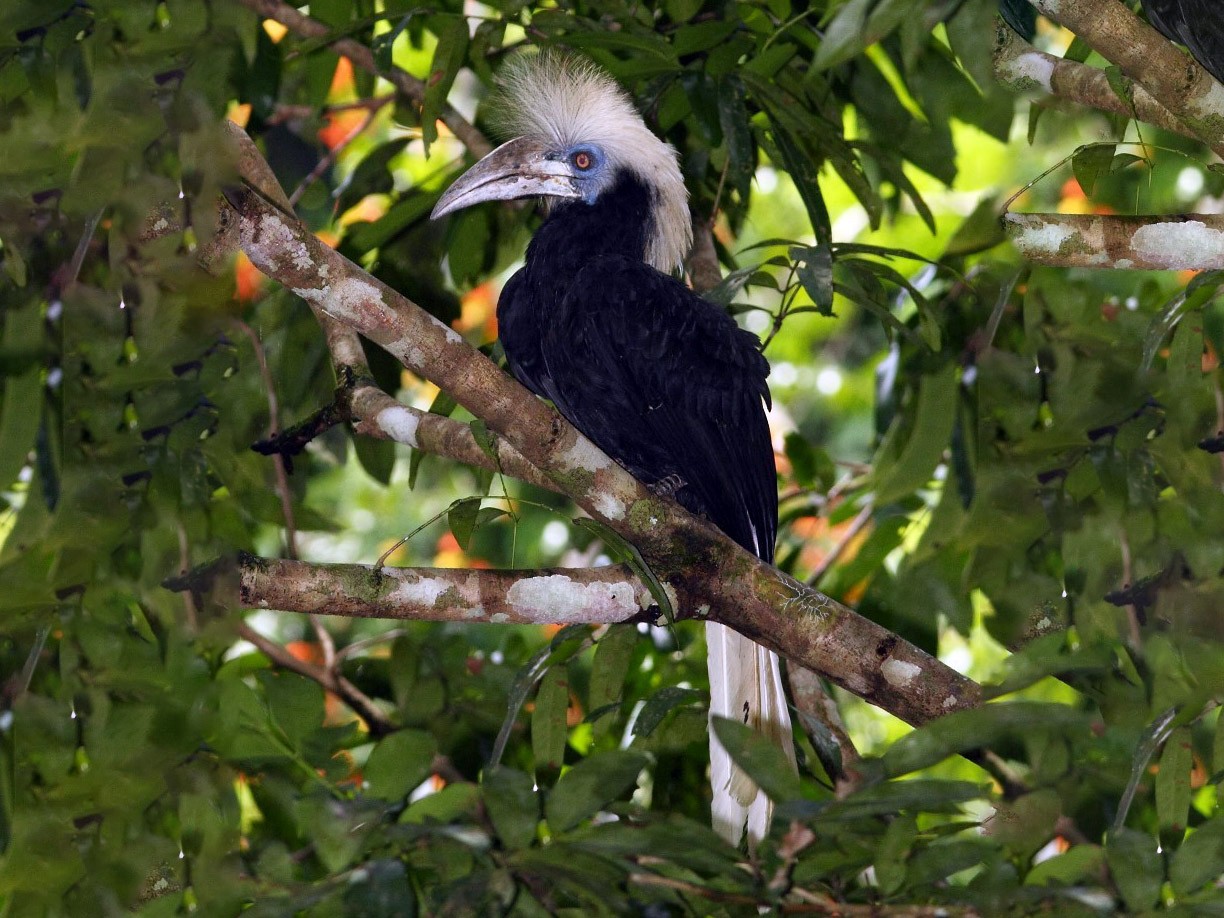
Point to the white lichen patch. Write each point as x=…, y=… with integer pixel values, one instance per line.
x=560, y=599
x=1036, y=238
x=1031, y=66
x=423, y=592
x=609, y=506
x=899, y=673
x=1186, y=245
x=400, y=424
x=275, y=241
x=950, y=701
x=584, y=455
x=1210, y=104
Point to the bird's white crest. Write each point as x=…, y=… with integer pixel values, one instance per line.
x=567, y=101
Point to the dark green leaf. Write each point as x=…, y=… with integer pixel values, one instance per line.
x=759, y=757
x=513, y=806
x=590, y=785
x=1090, y=162
x=660, y=705
x=548, y=728
x=1136, y=867
x=608, y=671
x=399, y=763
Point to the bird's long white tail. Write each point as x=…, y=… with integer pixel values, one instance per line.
x=745, y=685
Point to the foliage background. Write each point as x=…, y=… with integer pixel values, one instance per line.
x=990, y=452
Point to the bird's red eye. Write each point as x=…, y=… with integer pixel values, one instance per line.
x=582, y=160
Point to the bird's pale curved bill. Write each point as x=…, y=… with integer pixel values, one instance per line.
x=520, y=168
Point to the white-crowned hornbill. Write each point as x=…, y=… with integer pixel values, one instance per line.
x=661, y=380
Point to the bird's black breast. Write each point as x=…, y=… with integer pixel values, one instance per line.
x=661, y=380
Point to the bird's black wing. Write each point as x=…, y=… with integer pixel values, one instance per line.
x=1197, y=24
x=1021, y=16
x=669, y=386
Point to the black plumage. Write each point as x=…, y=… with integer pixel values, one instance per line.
x=661, y=380
x=1197, y=24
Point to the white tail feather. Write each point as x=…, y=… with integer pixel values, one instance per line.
x=745, y=685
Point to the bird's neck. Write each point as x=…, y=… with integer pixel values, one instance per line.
x=617, y=223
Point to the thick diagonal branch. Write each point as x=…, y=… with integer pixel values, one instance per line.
x=1022, y=67
x=1173, y=78
x=1177, y=242
x=717, y=577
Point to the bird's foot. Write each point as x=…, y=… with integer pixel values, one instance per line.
x=667, y=487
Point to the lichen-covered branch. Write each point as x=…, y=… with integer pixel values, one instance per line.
x=1173, y=78
x=1177, y=242
x=361, y=56
x=1022, y=67
x=376, y=414
x=711, y=575
x=561, y=596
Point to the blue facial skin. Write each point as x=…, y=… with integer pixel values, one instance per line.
x=595, y=177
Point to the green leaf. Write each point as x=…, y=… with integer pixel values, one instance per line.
x=1173, y=783
x=21, y=399
x=453, y=802
x=399, y=763
x=893, y=851
x=609, y=668
x=1136, y=867
x=982, y=727
x=449, y=55
x=461, y=518
x=590, y=785
x=845, y=35
x=759, y=757
x=295, y=703
x=377, y=457
x=380, y=889
x=1090, y=162
x=548, y=729
x=816, y=275
x=512, y=803
x=1199, y=859
x=1068, y=869
x=661, y=704
x=929, y=435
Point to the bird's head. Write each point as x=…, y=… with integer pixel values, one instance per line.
x=575, y=133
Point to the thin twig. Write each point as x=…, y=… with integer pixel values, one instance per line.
x=322, y=635
x=332, y=155
x=278, y=461
x=855, y=527
x=284, y=113
x=365, y=708
x=349, y=650
x=189, y=605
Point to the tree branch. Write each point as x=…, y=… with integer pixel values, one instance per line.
x=1020, y=66
x=1175, y=242
x=714, y=576
x=556, y=596
x=361, y=56
x=1173, y=78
